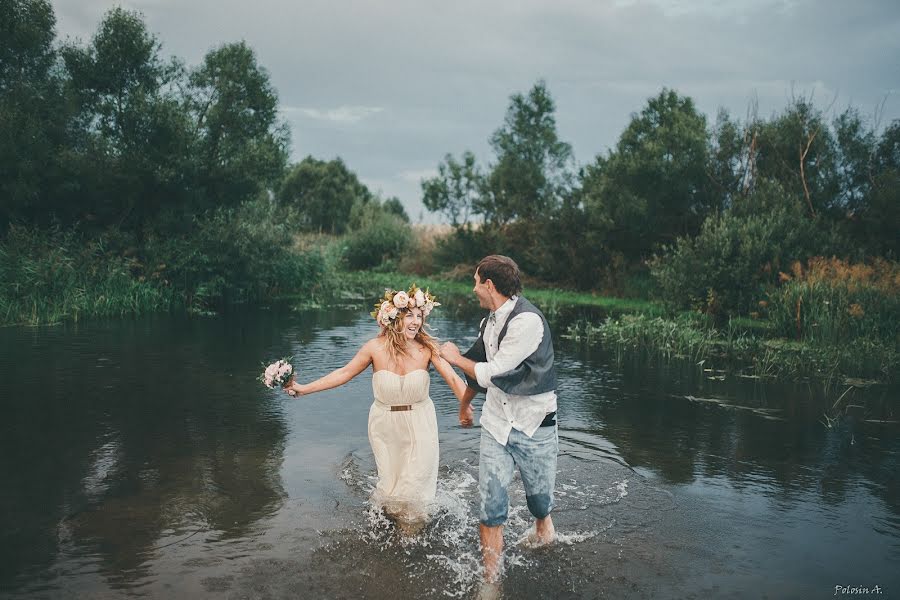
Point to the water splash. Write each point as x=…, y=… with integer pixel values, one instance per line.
x=447, y=549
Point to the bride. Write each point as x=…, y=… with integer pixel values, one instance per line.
x=402, y=421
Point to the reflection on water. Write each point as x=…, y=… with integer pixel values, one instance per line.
x=142, y=457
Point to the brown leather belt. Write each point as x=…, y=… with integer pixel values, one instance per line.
x=396, y=407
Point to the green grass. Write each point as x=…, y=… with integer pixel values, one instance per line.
x=47, y=278
x=368, y=285
x=747, y=351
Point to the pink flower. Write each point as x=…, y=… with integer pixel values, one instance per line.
x=420, y=298
x=401, y=299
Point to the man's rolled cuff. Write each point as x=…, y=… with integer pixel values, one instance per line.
x=483, y=374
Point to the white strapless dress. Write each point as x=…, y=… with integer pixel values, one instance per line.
x=405, y=444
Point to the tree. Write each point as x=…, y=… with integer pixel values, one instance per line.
x=33, y=113
x=323, y=193
x=855, y=146
x=654, y=186
x=797, y=149
x=240, y=146
x=131, y=134
x=393, y=206
x=454, y=191
x=533, y=168
x=879, y=220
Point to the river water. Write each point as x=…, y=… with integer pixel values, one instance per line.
x=141, y=458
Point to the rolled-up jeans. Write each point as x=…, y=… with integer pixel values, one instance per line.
x=536, y=459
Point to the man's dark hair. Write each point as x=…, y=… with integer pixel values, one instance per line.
x=503, y=271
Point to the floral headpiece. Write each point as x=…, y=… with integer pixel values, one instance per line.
x=393, y=301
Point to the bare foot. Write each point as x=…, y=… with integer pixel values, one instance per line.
x=410, y=528
x=544, y=531
x=489, y=590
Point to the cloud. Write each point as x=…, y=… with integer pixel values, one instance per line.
x=341, y=114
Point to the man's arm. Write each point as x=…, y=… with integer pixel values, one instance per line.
x=523, y=336
x=451, y=354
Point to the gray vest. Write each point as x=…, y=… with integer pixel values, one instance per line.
x=535, y=375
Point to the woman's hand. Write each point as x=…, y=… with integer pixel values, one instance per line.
x=292, y=388
x=465, y=415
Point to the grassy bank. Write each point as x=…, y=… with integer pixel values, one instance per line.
x=53, y=276
x=741, y=348
x=367, y=285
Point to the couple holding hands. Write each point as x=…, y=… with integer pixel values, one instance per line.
x=511, y=361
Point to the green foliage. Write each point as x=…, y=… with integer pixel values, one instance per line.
x=131, y=134
x=532, y=171
x=747, y=352
x=33, y=112
x=465, y=246
x=799, y=137
x=393, y=206
x=47, y=276
x=240, y=146
x=654, y=186
x=877, y=221
x=832, y=302
x=233, y=255
x=455, y=190
x=378, y=236
x=728, y=267
x=322, y=194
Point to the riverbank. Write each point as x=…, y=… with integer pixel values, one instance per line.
x=743, y=347
x=53, y=286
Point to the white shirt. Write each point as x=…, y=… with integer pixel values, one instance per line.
x=501, y=411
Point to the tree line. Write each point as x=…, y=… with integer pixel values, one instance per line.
x=183, y=173
x=173, y=175
x=714, y=211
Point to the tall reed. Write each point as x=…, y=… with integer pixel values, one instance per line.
x=47, y=276
x=832, y=301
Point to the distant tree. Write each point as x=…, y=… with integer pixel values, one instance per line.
x=240, y=146
x=533, y=169
x=455, y=190
x=879, y=221
x=729, y=145
x=855, y=144
x=654, y=186
x=323, y=193
x=33, y=111
x=393, y=206
x=132, y=134
x=797, y=149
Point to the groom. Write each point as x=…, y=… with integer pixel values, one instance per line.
x=512, y=360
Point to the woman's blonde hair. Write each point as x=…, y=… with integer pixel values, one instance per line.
x=395, y=339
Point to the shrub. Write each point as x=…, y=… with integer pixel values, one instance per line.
x=380, y=236
x=736, y=257
x=234, y=255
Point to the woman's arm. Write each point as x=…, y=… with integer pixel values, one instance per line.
x=453, y=380
x=337, y=377
x=462, y=392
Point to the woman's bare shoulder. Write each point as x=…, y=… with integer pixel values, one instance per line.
x=373, y=344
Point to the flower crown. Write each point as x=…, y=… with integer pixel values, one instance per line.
x=393, y=301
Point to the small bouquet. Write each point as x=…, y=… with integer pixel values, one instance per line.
x=278, y=373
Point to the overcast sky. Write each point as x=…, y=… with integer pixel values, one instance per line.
x=393, y=86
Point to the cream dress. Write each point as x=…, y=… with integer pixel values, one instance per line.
x=405, y=444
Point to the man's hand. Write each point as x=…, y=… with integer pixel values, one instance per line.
x=450, y=353
x=465, y=415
